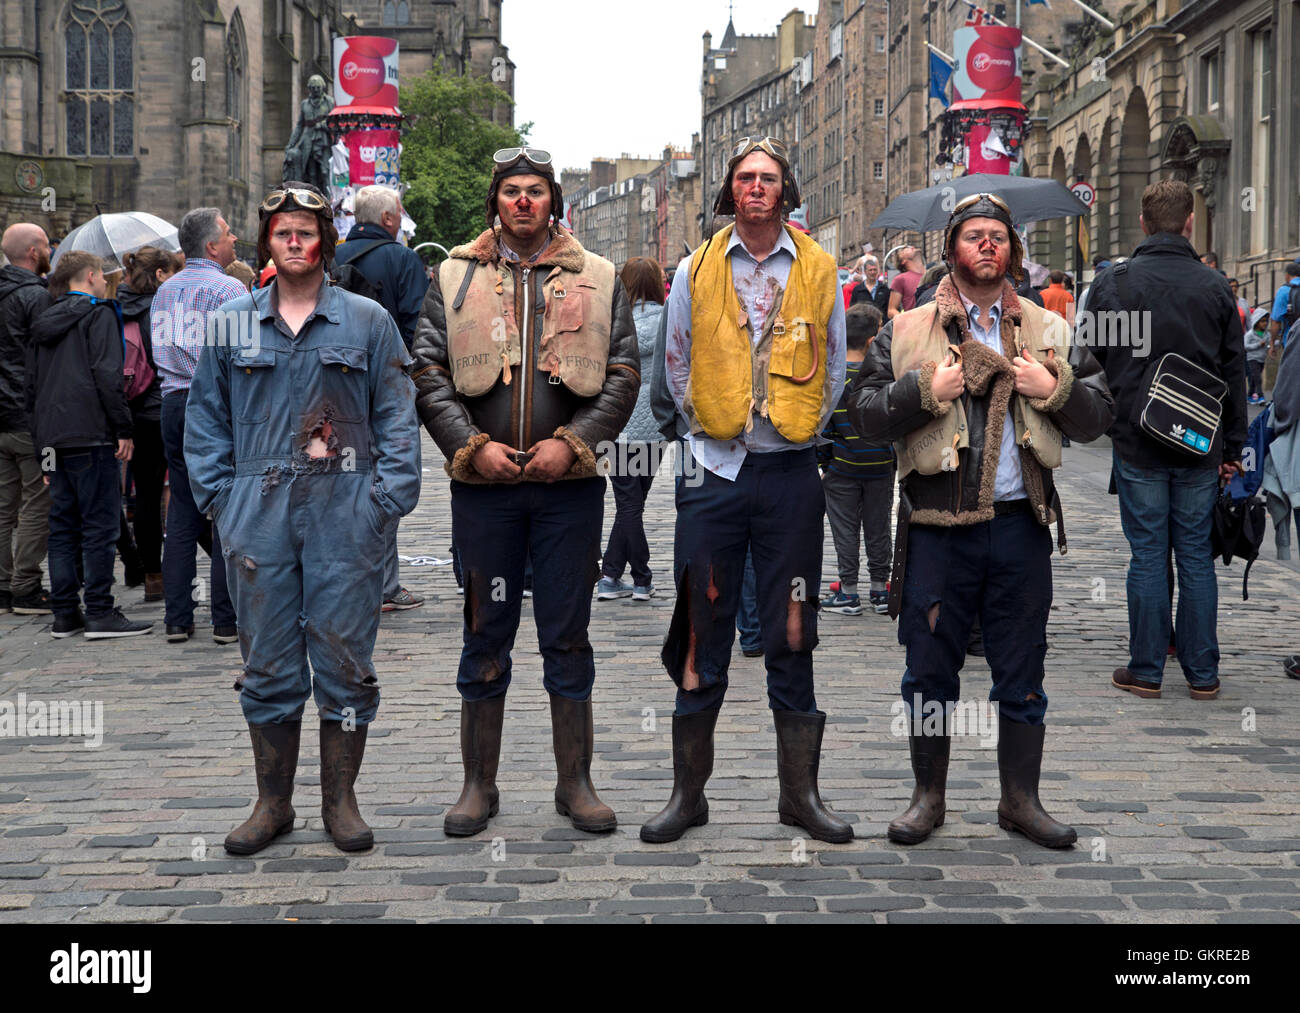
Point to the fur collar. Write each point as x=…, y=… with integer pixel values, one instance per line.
x=950, y=306
x=565, y=252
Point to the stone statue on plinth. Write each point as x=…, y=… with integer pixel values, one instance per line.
x=307, y=156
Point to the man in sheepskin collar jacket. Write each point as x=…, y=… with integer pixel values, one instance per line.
x=525, y=361
x=976, y=390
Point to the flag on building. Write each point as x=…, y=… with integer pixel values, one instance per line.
x=940, y=72
x=1047, y=3
x=978, y=16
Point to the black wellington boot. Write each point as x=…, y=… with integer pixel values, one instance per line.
x=927, y=808
x=275, y=757
x=341, y=753
x=799, y=753
x=692, y=764
x=480, y=750
x=1020, y=758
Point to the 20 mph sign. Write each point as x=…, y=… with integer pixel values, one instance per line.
x=1085, y=192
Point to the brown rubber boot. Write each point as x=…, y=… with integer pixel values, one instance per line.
x=275, y=757
x=927, y=808
x=1020, y=758
x=340, y=759
x=692, y=764
x=573, y=736
x=480, y=749
x=153, y=587
x=799, y=753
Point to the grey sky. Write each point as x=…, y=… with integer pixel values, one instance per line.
x=600, y=78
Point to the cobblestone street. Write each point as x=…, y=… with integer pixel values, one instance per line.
x=1187, y=811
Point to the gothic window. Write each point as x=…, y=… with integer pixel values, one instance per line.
x=235, y=97
x=99, y=78
x=396, y=12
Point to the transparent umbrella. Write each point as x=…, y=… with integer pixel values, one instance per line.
x=113, y=236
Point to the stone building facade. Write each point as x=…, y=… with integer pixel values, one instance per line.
x=629, y=207
x=464, y=35
x=1202, y=91
x=165, y=105
x=842, y=136
x=750, y=88
x=915, y=119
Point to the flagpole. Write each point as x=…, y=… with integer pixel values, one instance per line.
x=1017, y=13
x=1110, y=25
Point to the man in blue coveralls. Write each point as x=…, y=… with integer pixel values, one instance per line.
x=303, y=443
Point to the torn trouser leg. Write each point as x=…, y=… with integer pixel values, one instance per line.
x=709, y=564
x=774, y=507
x=940, y=601
x=786, y=532
x=492, y=526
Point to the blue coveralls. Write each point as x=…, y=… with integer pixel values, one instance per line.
x=304, y=449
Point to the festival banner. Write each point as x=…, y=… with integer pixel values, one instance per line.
x=365, y=73
x=988, y=65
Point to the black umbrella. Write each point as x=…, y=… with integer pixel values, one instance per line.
x=1030, y=200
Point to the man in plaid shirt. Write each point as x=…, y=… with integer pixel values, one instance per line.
x=179, y=319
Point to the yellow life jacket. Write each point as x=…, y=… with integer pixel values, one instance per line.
x=784, y=375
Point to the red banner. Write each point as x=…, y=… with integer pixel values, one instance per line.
x=373, y=157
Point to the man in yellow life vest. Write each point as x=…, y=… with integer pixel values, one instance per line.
x=754, y=360
x=976, y=390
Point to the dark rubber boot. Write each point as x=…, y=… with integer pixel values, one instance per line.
x=480, y=750
x=340, y=758
x=573, y=736
x=275, y=757
x=1020, y=757
x=692, y=764
x=799, y=752
x=927, y=808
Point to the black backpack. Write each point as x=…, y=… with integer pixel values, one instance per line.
x=1292, y=309
x=348, y=276
x=1238, y=530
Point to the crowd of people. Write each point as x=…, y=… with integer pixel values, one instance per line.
x=793, y=401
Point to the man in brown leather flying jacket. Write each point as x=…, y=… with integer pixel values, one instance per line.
x=976, y=397
x=525, y=360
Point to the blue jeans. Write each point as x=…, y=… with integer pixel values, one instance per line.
x=85, y=504
x=1162, y=508
x=185, y=529
x=498, y=530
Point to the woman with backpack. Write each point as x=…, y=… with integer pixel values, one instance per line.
x=146, y=269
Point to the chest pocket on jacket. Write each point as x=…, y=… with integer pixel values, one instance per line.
x=252, y=384
x=343, y=382
x=574, y=352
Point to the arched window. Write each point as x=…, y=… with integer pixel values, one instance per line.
x=99, y=79
x=235, y=96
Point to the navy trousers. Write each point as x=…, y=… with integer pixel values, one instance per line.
x=498, y=528
x=186, y=530
x=999, y=572
x=774, y=510
x=85, y=503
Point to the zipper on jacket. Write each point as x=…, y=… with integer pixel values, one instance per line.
x=525, y=370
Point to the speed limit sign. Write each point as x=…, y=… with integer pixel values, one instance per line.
x=1085, y=193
